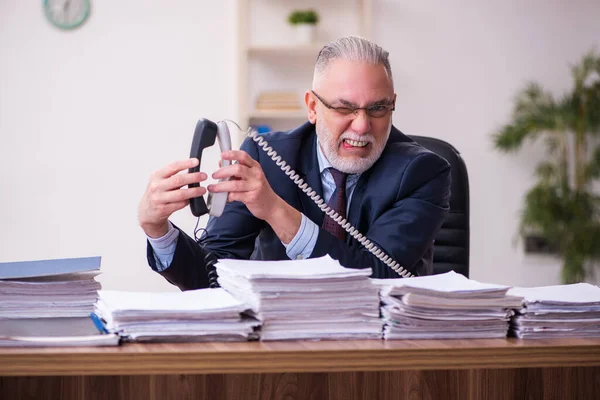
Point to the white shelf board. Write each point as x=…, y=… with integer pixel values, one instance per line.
x=285, y=50
x=278, y=114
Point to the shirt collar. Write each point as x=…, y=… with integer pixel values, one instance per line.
x=322, y=160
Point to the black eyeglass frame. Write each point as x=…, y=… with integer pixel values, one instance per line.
x=354, y=110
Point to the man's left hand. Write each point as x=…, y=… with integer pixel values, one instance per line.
x=248, y=184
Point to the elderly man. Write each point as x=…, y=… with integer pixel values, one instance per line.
x=392, y=190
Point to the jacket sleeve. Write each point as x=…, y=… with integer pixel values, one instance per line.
x=187, y=270
x=406, y=231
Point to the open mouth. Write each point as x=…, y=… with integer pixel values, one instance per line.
x=347, y=143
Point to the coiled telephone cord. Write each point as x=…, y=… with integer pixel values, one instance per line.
x=211, y=260
x=314, y=196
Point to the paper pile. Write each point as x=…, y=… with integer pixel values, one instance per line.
x=445, y=306
x=305, y=299
x=49, y=288
x=192, y=316
x=49, y=302
x=557, y=311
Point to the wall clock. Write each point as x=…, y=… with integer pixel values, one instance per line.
x=67, y=14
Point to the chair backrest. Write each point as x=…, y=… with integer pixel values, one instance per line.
x=451, y=247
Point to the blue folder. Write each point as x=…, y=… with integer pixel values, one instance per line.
x=30, y=269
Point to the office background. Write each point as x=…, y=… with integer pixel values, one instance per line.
x=87, y=115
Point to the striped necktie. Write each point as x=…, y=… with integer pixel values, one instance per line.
x=337, y=202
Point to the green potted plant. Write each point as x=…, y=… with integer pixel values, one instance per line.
x=304, y=22
x=562, y=207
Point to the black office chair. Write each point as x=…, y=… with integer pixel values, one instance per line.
x=451, y=247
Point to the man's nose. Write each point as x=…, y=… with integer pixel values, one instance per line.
x=361, y=122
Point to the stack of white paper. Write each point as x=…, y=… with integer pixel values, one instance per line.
x=49, y=288
x=196, y=315
x=49, y=302
x=305, y=299
x=445, y=306
x=557, y=311
x=68, y=295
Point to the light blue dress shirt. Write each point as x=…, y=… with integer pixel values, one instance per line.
x=300, y=247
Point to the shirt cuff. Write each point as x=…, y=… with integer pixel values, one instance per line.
x=164, y=247
x=303, y=244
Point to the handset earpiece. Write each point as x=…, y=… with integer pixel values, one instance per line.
x=217, y=201
x=204, y=136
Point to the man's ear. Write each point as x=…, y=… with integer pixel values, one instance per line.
x=311, y=106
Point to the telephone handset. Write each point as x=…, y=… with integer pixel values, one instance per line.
x=222, y=132
x=204, y=136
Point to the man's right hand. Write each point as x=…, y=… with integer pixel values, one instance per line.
x=166, y=194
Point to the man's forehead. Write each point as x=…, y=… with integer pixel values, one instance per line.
x=345, y=77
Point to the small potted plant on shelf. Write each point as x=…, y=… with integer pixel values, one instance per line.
x=304, y=22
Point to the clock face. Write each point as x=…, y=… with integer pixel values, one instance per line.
x=67, y=14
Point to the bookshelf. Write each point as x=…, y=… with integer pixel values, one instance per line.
x=272, y=114
x=283, y=50
x=271, y=59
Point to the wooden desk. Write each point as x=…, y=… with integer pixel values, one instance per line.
x=419, y=369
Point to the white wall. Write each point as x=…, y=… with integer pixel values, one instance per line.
x=86, y=116
x=458, y=66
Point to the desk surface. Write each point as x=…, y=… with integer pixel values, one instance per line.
x=304, y=356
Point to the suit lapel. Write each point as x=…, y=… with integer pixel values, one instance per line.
x=309, y=171
x=357, y=198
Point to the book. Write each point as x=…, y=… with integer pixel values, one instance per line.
x=53, y=332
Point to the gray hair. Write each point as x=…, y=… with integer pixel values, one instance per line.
x=351, y=48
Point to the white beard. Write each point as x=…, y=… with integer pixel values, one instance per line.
x=353, y=165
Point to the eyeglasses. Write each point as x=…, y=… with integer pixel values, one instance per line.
x=375, y=110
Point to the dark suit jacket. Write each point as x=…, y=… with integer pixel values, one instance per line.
x=399, y=204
